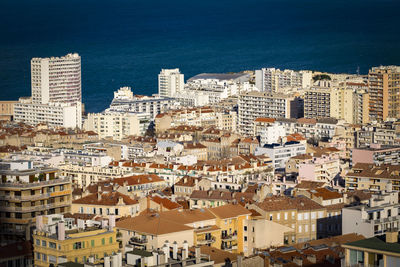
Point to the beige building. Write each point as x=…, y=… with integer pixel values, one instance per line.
x=300, y=214
x=106, y=204
x=115, y=125
x=384, y=87
x=7, y=110
x=364, y=176
x=26, y=193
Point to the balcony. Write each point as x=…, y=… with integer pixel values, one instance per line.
x=206, y=241
x=229, y=247
x=230, y=237
x=138, y=241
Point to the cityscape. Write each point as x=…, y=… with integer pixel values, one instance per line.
x=256, y=168
x=258, y=133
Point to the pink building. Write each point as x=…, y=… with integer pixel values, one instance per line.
x=376, y=154
x=322, y=167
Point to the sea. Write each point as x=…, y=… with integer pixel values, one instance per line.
x=128, y=42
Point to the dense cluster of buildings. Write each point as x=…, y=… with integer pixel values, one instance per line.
x=259, y=168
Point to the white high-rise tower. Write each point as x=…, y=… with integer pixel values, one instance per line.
x=170, y=82
x=56, y=79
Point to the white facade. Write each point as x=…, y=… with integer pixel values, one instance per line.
x=376, y=218
x=125, y=101
x=274, y=80
x=117, y=125
x=170, y=82
x=56, y=79
x=270, y=134
x=281, y=153
x=253, y=105
x=68, y=115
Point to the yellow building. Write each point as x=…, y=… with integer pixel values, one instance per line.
x=53, y=243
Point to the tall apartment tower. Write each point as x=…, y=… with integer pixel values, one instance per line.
x=384, y=92
x=56, y=79
x=276, y=80
x=170, y=82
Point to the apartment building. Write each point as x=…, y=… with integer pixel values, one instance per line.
x=83, y=175
x=376, y=134
x=384, y=86
x=383, y=250
x=275, y=80
x=379, y=216
x=7, y=110
x=317, y=103
x=125, y=101
x=57, y=114
x=27, y=191
x=58, y=240
x=376, y=154
x=253, y=105
x=106, y=204
x=268, y=131
x=300, y=214
x=56, y=79
x=117, y=125
x=281, y=153
x=170, y=82
x=375, y=178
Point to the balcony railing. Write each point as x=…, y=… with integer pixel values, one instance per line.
x=206, y=241
x=138, y=240
x=229, y=237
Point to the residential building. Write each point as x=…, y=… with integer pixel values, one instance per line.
x=187, y=185
x=57, y=114
x=170, y=82
x=58, y=240
x=281, y=153
x=384, y=86
x=7, y=110
x=267, y=133
x=317, y=103
x=125, y=101
x=375, y=178
x=379, y=216
x=27, y=191
x=56, y=79
x=117, y=125
x=105, y=204
x=298, y=213
x=275, y=80
x=376, y=134
x=253, y=105
x=376, y=154
x=383, y=250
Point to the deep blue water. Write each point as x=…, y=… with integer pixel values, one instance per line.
x=127, y=42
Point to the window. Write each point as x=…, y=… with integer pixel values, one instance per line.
x=44, y=257
x=313, y=227
x=299, y=216
x=111, y=240
x=320, y=214
x=306, y=228
x=38, y=242
x=52, y=245
x=270, y=217
x=103, y=241
x=38, y=255
x=313, y=215
x=306, y=216
x=245, y=228
x=286, y=215
x=389, y=213
x=44, y=243
x=245, y=239
x=78, y=245
x=278, y=216
x=92, y=243
x=300, y=229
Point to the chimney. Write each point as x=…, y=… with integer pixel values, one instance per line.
x=111, y=222
x=120, y=201
x=312, y=258
x=81, y=224
x=185, y=251
x=197, y=254
x=239, y=261
x=298, y=261
x=392, y=236
x=99, y=195
x=39, y=223
x=175, y=250
x=103, y=224
x=61, y=231
x=165, y=249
